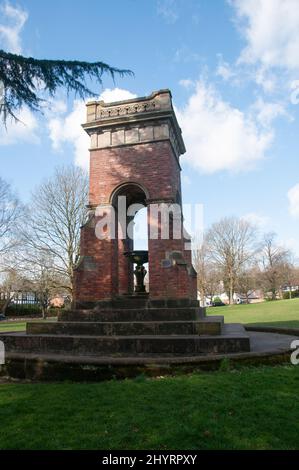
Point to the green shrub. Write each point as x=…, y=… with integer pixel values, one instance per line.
x=217, y=302
x=294, y=294
x=225, y=365
x=15, y=310
x=29, y=310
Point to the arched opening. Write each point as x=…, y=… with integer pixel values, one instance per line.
x=140, y=238
x=129, y=201
x=134, y=192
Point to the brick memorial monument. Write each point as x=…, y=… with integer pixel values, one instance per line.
x=135, y=147
x=134, y=153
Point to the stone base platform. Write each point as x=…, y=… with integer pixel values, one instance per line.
x=133, y=314
x=209, y=326
x=130, y=328
x=266, y=348
x=232, y=339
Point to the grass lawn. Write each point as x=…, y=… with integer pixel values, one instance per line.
x=277, y=313
x=7, y=326
x=246, y=409
x=12, y=326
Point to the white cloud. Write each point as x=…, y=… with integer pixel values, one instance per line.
x=261, y=221
x=67, y=129
x=55, y=106
x=219, y=136
x=12, y=20
x=224, y=70
x=185, y=55
x=293, y=197
x=266, y=80
x=293, y=245
x=267, y=112
x=167, y=9
x=23, y=130
x=271, y=29
x=186, y=180
x=116, y=94
x=186, y=83
x=294, y=86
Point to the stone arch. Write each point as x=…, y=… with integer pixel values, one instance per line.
x=136, y=192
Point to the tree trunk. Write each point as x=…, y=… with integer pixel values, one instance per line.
x=203, y=297
x=5, y=306
x=44, y=312
x=231, y=292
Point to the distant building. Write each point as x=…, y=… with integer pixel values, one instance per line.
x=290, y=288
x=253, y=297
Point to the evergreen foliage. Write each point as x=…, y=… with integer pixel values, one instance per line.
x=23, y=78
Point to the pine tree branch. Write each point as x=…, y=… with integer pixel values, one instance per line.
x=23, y=78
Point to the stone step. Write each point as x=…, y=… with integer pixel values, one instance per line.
x=233, y=339
x=129, y=315
x=137, y=301
x=204, y=327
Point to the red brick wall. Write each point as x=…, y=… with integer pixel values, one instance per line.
x=153, y=166
x=104, y=271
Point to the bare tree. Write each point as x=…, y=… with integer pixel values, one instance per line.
x=200, y=262
x=13, y=282
x=45, y=280
x=276, y=264
x=291, y=278
x=213, y=282
x=208, y=278
x=247, y=282
x=232, y=244
x=10, y=212
x=57, y=211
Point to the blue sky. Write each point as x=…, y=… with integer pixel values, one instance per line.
x=233, y=70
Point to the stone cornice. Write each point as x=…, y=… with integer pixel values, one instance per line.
x=135, y=113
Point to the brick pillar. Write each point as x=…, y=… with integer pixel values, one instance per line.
x=171, y=274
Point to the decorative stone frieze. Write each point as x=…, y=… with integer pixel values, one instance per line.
x=130, y=122
x=157, y=101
